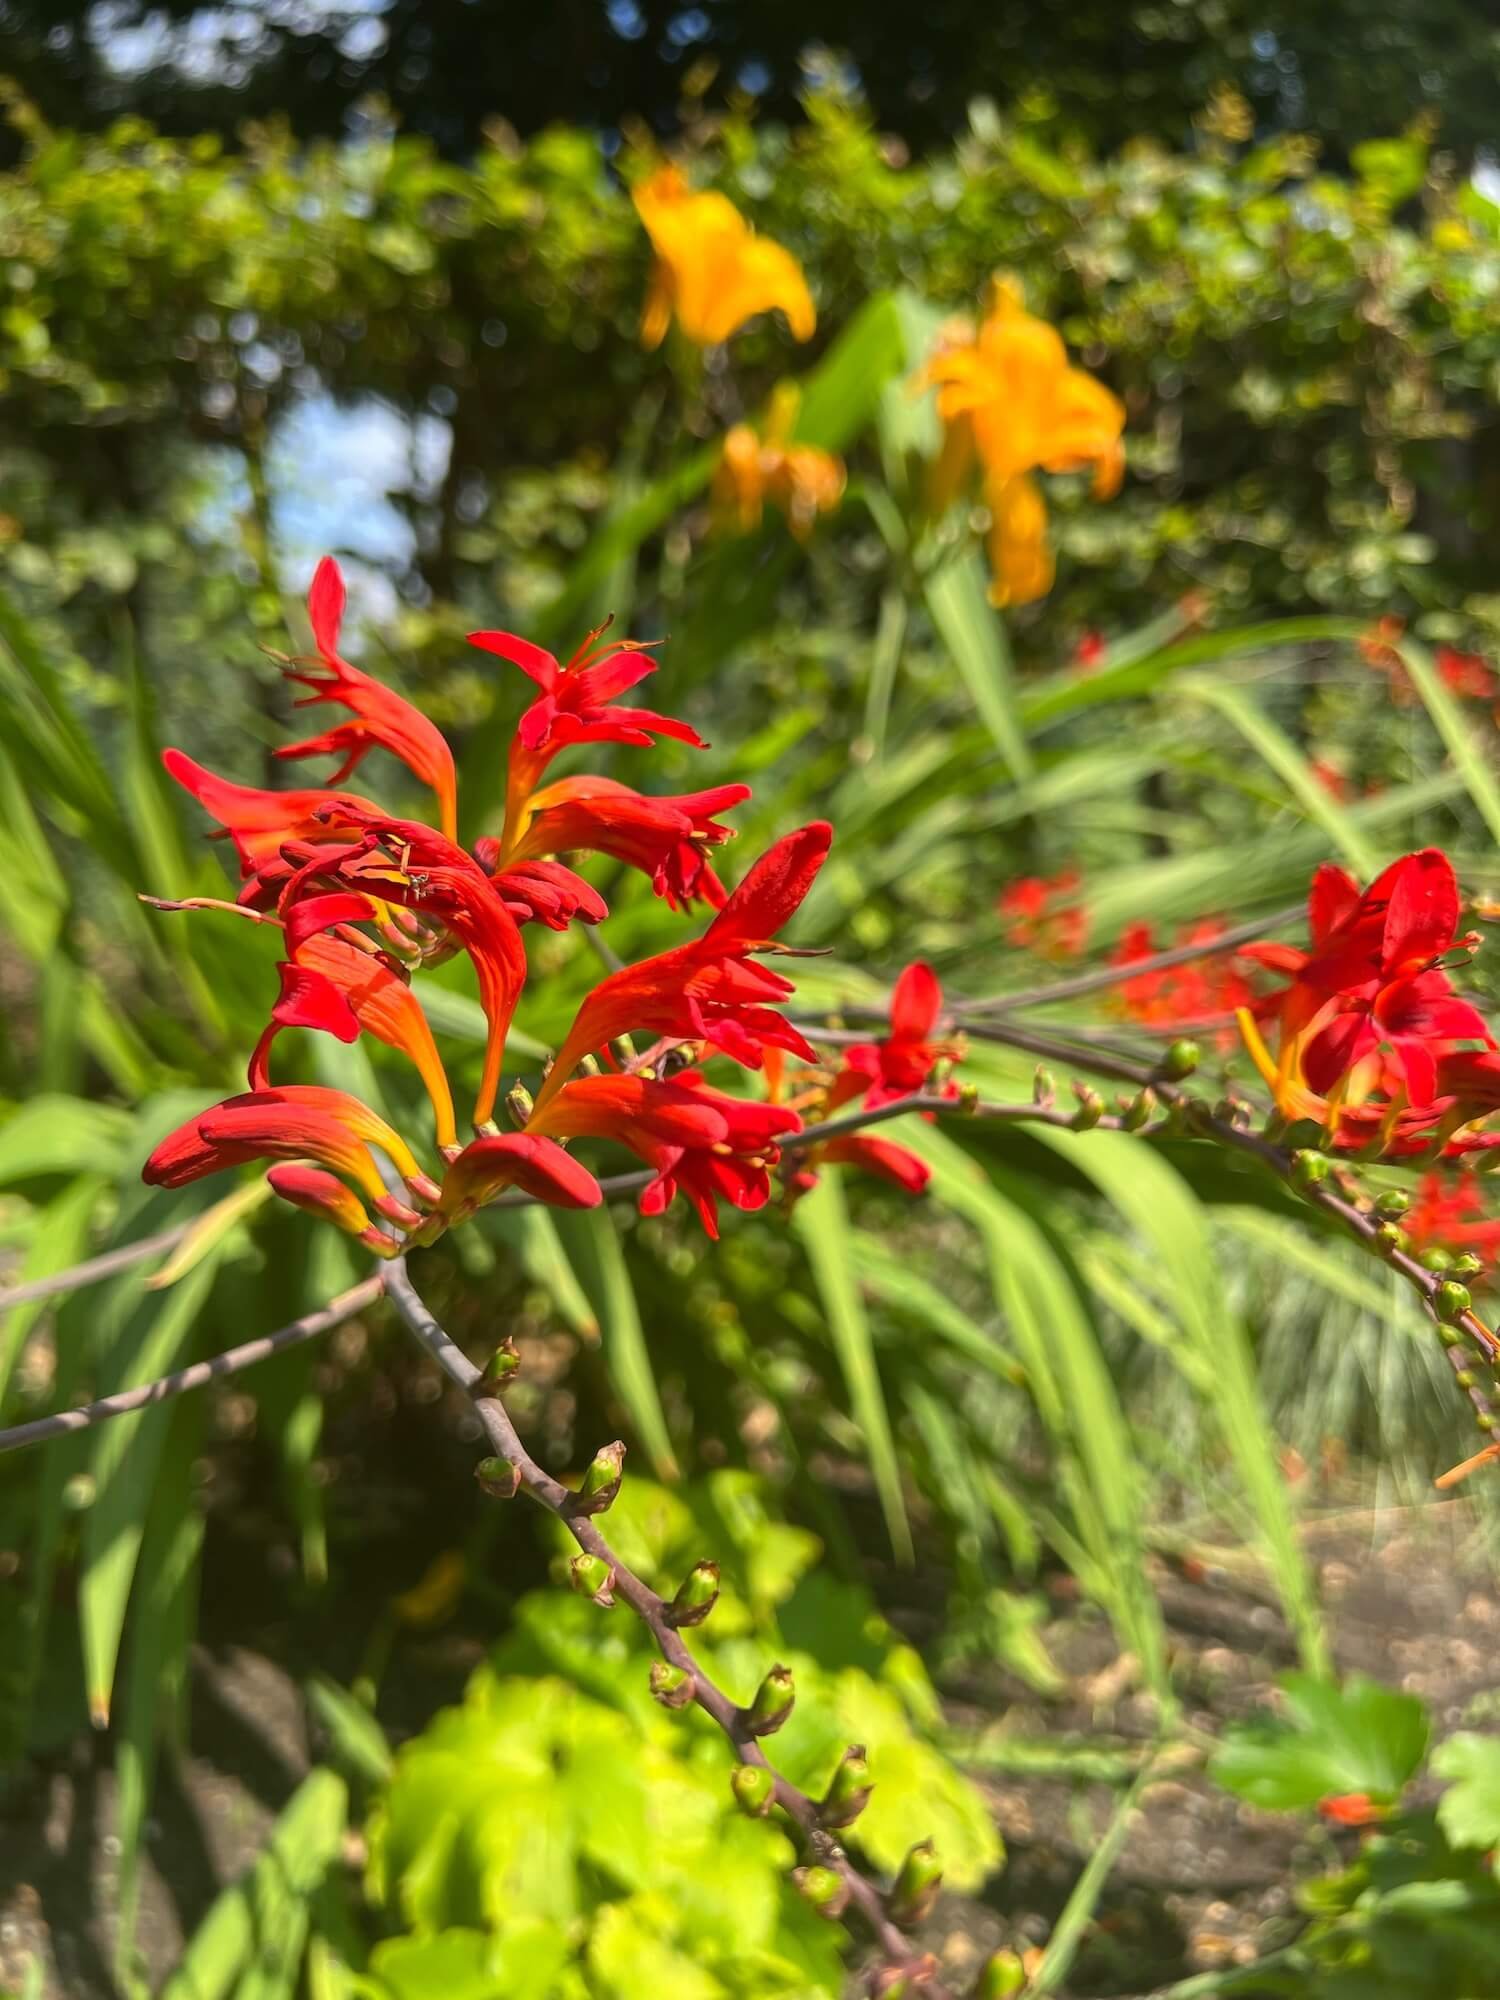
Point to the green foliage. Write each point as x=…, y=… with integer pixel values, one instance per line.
x=1360, y=1738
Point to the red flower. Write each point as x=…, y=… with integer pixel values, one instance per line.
x=902, y=1063
x=1351, y=1809
x=872, y=1155
x=402, y=862
x=576, y=705
x=541, y=891
x=1041, y=916
x=340, y=987
x=710, y=991
x=523, y=1160
x=708, y=1144
x=1448, y=1214
x=381, y=718
x=1466, y=674
x=1088, y=654
x=1368, y=998
x=293, y=1121
x=260, y=823
x=325, y=1195
x=1189, y=994
x=666, y=838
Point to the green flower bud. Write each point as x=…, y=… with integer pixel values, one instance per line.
x=602, y=1480
x=1387, y=1239
x=1043, y=1086
x=916, y=1887
x=1002, y=1976
x=1485, y=1419
x=1452, y=1301
x=519, y=1105
x=591, y=1576
x=500, y=1370
x=1467, y=1266
x=696, y=1597
x=848, y=1790
x=773, y=1702
x=1090, y=1108
x=1393, y=1202
x=673, y=1687
x=78, y=1493
x=1465, y=1378
x=1180, y=1060
x=967, y=1100
x=754, y=1789
x=1449, y=1335
x=498, y=1478
x=1139, y=1111
x=1309, y=1169
x=623, y=1049
x=824, y=1888
x=1437, y=1259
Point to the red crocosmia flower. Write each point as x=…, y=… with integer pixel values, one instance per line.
x=539, y=1167
x=1040, y=914
x=1191, y=995
x=873, y=1155
x=902, y=1063
x=541, y=891
x=1449, y=1214
x=290, y=1121
x=710, y=991
x=576, y=705
x=666, y=838
x=1088, y=654
x=413, y=866
x=701, y=1141
x=1351, y=1809
x=341, y=987
x=324, y=1194
x=1369, y=997
x=1466, y=674
x=259, y=823
x=381, y=718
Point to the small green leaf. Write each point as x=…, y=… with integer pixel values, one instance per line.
x=1469, y=1811
x=1359, y=1738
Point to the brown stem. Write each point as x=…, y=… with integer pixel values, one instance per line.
x=92, y=1269
x=652, y=1610
x=345, y=1306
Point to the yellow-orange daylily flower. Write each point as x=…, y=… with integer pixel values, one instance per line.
x=712, y=272
x=799, y=480
x=1010, y=399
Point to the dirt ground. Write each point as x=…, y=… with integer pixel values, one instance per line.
x=1202, y=1882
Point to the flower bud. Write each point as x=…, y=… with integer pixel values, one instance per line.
x=1003, y=1975
x=601, y=1482
x=499, y=1370
x=1451, y=1301
x=78, y=1493
x=1465, y=1378
x=1139, y=1110
x=773, y=1702
x=519, y=1105
x=1309, y=1169
x=967, y=1100
x=1387, y=1239
x=1090, y=1108
x=696, y=1596
x=623, y=1049
x=1180, y=1060
x=592, y=1576
x=1485, y=1420
x=916, y=1887
x=1436, y=1258
x=1467, y=1266
x=754, y=1789
x=1449, y=1335
x=1392, y=1203
x=673, y=1687
x=1043, y=1086
x=824, y=1888
x=498, y=1478
x=848, y=1790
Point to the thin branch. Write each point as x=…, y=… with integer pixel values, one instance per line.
x=344, y=1307
x=92, y=1269
x=652, y=1610
x=1112, y=975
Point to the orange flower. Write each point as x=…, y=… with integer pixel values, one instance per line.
x=712, y=272
x=800, y=480
x=1009, y=398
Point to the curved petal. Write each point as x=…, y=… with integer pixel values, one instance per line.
x=916, y=1001
x=516, y=1159
x=1334, y=1049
